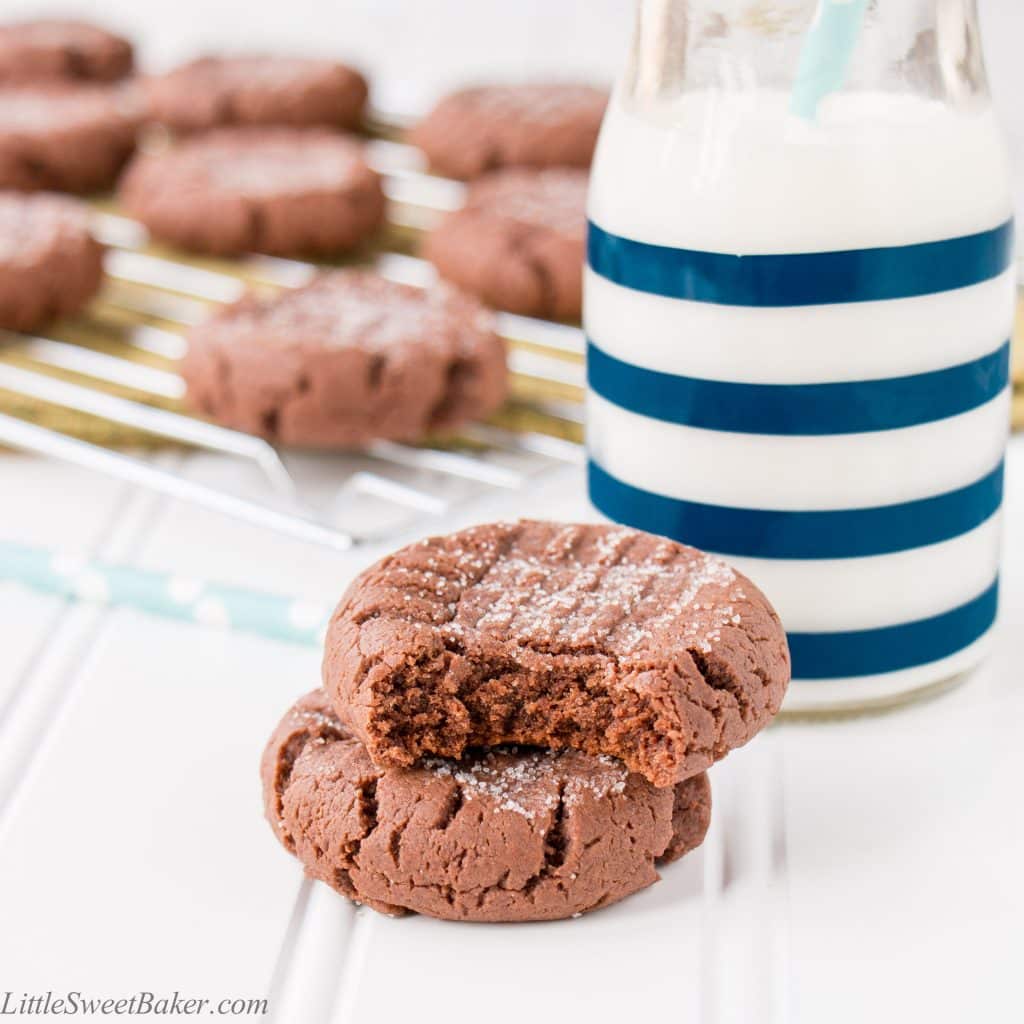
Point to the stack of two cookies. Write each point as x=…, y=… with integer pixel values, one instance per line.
x=516, y=720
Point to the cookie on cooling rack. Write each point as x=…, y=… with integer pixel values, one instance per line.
x=595, y=638
x=506, y=835
x=257, y=90
x=49, y=50
x=485, y=128
x=50, y=265
x=63, y=138
x=348, y=359
x=288, y=192
x=518, y=242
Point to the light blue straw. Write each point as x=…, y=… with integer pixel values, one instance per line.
x=166, y=594
x=828, y=50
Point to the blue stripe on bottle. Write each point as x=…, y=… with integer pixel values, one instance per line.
x=848, y=407
x=874, y=651
x=765, y=533
x=801, y=279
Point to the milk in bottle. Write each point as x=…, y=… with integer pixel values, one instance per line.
x=798, y=326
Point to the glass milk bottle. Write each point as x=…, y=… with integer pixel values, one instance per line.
x=799, y=295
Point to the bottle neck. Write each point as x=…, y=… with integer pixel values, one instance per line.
x=930, y=48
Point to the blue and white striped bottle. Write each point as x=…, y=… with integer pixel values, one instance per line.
x=798, y=329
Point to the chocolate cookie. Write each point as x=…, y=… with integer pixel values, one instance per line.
x=49, y=50
x=347, y=359
x=50, y=265
x=597, y=638
x=63, y=138
x=518, y=242
x=508, y=835
x=541, y=125
x=215, y=91
x=275, y=190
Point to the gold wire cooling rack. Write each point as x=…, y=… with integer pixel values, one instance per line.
x=100, y=387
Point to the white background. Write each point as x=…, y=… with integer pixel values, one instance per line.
x=867, y=869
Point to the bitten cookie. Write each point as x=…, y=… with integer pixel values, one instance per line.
x=50, y=50
x=256, y=90
x=597, y=638
x=347, y=359
x=50, y=265
x=519, y=242
x=508, y=835
x=63, y=138
x=540, y=125
x=275, y=190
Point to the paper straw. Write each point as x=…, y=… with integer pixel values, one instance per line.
x=826, y=55
x=165, y=594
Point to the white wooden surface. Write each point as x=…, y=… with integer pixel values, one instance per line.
x=863, y=869
x=867, y=869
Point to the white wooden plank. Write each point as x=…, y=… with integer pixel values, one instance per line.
x=42, y=502
x=315, y=958
x=142, y=821
x=35, y=697
x=747, y=977
x=905, y=840
x=616, y=964
x=906, y=845
x=28, y=619
x=45, y=504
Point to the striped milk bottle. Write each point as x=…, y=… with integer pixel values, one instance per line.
x=798, y=308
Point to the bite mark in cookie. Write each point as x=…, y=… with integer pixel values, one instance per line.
x=596, y=638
